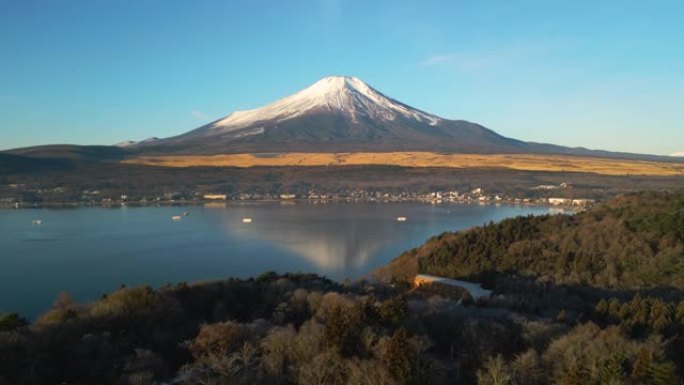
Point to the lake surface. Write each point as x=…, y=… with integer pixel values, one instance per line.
x=91, y=251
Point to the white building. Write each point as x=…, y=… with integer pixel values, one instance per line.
x=215, y=197
x=560, y=201
x=582, y=202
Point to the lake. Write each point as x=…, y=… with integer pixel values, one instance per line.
x=91, y=251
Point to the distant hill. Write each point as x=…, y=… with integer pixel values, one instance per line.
x=631, y=242
x=10, y=164
x=72, y=152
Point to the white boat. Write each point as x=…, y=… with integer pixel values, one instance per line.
x=401, y=219
x=37, y=222
x=176, y=218
x=246, y=220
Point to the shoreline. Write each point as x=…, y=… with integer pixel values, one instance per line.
x=216, y=203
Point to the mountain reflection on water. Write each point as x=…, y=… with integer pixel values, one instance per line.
x=330, y=238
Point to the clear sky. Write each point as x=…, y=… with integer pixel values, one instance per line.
x=600, y=74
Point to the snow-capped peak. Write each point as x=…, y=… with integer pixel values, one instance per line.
x=341, y=94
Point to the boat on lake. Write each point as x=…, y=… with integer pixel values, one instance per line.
x=37, y=222
x=401, y=219
x=246, y=220
x=176, y=218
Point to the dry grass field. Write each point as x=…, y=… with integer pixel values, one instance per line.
x=523, y=162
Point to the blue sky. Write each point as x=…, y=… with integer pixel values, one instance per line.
x=599, y=74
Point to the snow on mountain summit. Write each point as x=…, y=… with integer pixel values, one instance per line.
x=339, y=94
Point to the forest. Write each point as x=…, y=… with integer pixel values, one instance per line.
x=592, y=298
x=634, y=241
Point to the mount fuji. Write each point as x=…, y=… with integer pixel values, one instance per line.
x=335, y=114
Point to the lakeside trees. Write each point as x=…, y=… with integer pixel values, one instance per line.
x=632, y=242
